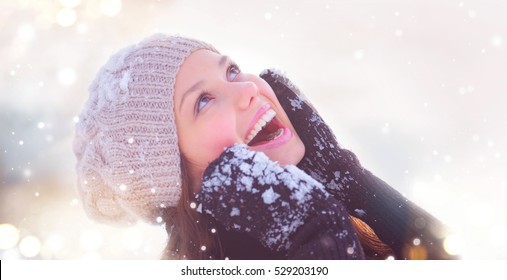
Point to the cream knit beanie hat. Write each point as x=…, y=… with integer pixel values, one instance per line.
x=126, y=143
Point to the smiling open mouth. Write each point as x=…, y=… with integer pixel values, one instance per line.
x=267, y=129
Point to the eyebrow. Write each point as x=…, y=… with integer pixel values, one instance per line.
x=221, y=64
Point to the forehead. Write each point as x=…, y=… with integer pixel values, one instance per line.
x=198, y=66
x=196, y=69
x=200, y=60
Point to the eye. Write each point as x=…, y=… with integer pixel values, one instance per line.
x=201, y=102
x=232, y=71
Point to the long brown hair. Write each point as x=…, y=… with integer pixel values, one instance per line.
x=188, y=231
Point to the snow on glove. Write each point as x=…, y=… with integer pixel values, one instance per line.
x=395, y=219
x=283, y=208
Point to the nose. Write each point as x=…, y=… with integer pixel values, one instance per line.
x=243, y=93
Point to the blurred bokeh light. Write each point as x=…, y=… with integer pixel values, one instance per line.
x=416, y=88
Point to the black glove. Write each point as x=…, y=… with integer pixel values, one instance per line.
x=283, y=208
x=395, y=219
x=325, y=160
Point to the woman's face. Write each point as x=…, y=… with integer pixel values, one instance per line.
x=216, y=106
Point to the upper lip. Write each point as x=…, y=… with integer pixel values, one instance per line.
x=258, y=115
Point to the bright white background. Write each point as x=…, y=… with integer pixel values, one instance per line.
x=417, y=89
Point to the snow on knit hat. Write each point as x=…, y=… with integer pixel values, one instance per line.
x=126, y=143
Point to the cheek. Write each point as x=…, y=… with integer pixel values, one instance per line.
x=219, y=136
x=209, y=139
x=264, y=88
x=268, y=92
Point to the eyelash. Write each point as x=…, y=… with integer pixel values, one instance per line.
x=206, y=94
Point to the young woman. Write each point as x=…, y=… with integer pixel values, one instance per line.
x=236, y=165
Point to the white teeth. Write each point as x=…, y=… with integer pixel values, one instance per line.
x=267, y=117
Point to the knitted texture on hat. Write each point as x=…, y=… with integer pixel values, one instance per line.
x=126, y=143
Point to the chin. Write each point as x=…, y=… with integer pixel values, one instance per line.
x=289, y=155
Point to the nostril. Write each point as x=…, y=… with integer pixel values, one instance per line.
x=248, y=92
x=252, y=92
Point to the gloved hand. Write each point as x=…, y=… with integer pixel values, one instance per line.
x=283, y=208
x=325, y=160
x=395, y=219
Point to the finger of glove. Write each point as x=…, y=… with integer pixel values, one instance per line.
x=302, y=116
x=288, y=94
